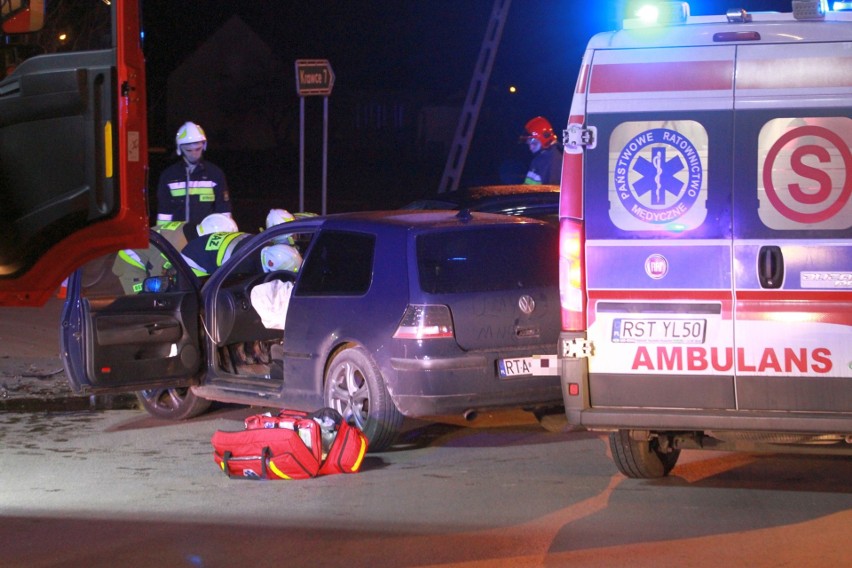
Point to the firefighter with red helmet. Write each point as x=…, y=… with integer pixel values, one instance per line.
x=192, y=188
x=546, y=165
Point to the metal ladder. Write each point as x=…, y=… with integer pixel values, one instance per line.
x=475, y=94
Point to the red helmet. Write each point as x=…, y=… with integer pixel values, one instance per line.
x=540, y=129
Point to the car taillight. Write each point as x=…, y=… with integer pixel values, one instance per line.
x=572, y=289
x=425, y=322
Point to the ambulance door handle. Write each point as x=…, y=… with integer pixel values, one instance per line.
x=770, y=267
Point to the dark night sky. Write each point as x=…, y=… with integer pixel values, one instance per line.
x=409, y=43
x=425, y=45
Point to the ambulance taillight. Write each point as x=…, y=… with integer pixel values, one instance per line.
x=572, y=286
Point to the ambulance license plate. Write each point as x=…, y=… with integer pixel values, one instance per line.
x=629, y=330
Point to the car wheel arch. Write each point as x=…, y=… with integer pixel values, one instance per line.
x=370, y=400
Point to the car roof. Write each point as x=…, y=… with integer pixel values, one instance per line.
x=490, y=197
x=418, y=219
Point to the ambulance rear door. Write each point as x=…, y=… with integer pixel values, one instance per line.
x=658, y=230
x=793, y=227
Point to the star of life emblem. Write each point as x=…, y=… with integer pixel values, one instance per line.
x=658, y=179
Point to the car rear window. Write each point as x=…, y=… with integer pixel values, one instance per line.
x=488, y=259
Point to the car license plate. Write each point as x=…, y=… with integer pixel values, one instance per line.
x=535, y=366
x=629, y=330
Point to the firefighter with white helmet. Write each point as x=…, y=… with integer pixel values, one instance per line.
x=216, y=223
x=546, y=165
x=193, y=187
x=276, y=217
x=280, y=257
x=219, y=238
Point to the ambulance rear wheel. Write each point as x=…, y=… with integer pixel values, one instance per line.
x=355, y=388
x=172, y=404
x=640, y=457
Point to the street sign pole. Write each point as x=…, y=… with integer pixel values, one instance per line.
x=324, y=152
x=313, y=77
x=302, y=154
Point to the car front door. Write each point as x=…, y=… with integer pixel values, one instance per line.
x=118, y=336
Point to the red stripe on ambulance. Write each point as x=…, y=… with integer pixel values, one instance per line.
x=669, y=296
x=824, y=307
x=663, y=76
x=795, y=73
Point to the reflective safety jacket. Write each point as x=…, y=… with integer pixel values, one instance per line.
x=208, y=193
x=133, y=266
x=178, y=233
x=208, y=252
x=546, y=167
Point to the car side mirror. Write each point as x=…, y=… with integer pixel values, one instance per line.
x=157, y=284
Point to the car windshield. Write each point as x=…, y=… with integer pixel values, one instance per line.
x=487, y=259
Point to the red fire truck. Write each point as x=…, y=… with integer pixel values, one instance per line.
x=73, y=142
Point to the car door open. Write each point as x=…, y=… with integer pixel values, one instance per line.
x=116, y=339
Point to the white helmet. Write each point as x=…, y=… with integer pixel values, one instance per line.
x=216, y=223
x=280, y=257
x=189, y=133
x=278, y=216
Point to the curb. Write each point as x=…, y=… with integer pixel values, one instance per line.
x=70, y=403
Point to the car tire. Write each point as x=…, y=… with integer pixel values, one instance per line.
x=354, y=387
x=172, y=404
x=638, y=458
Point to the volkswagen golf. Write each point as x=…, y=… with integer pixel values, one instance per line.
x=391, y=314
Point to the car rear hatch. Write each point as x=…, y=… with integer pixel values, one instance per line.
x=500, y=282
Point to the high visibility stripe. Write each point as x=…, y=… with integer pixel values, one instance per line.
x=361, y=453
x=131, y=258
x=169, y=225
x=206, y=191
x=277, y=471
x=108, y=149
x=532, y=178
x=196, y=269
x=223, y=248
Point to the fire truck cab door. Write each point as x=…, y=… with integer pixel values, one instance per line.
x=73, y=157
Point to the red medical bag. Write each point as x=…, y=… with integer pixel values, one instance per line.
x=290, y=445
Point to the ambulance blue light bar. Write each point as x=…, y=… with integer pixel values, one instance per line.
x=658, y=14
x=810, y=9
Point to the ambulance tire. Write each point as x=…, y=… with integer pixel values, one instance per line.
x=640, y=459
x=354, y=387
x=172, y=404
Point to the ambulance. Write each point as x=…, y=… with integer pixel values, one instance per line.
x=706, y=235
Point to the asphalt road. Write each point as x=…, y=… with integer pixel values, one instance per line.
x=118, y=488
x=32, y=377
